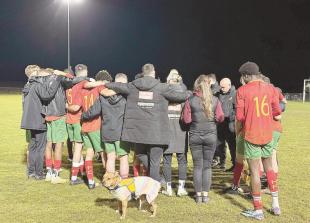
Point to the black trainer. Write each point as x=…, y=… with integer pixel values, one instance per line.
x=198, y=199
x=234, y=190
x=76, y=182
x=92, y=186
x=205, y=199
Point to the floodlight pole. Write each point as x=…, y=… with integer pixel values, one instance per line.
x=68, y=6
x=304, y=92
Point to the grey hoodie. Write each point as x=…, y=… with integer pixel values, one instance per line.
x=146, y=115
x=112, y=111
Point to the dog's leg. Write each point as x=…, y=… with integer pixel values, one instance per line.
x=124, y=208
x=140, y=204
x=119, y=210
x=142, y=200
x=153, y=209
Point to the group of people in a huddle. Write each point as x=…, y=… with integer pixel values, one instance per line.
x=156, y=120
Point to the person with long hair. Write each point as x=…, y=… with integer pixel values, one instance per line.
x=201, y=112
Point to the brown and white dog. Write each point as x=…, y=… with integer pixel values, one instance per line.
x=145, y=189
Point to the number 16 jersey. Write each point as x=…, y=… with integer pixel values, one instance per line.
x=256, y=105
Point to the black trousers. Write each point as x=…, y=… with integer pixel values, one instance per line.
x=202, y=147
x=182, y=166
x=224, y=134
x=36, y=152
x=150, y=156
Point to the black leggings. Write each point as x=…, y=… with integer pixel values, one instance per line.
x=202, y=146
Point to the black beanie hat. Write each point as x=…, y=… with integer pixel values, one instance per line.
x=249, y=68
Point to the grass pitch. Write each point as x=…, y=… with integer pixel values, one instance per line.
x=25, y=200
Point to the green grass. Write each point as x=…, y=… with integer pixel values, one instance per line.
x=25, y=200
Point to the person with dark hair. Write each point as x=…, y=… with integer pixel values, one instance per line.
x=256, y=107
x=201, y=112
x=91, y=128
x=111, y=108
x=146, y=116
x=178, y=141
x=215, y=87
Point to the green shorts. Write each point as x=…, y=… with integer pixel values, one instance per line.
x=276, y=138
x=240, y=145
x=57, y=131
x=119, y=147
x=28, y=136
x=252, y=151
x=92, y=140
x=74, y=132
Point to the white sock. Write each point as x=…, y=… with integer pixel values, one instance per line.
x=91, y=181
x=169, y=186
x=275, y=199
x=181, y=184
x=205, y=194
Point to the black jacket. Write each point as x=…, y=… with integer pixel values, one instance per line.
x=228, y=101
x=112, y=111
x=36, y=94
x=200, y=123
x=57, y=106
x=146, y=115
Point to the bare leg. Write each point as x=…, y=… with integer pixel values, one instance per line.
x=58, y=151
x=111, y=162
x=124, y=166
x=124, y=209
x=48, y=150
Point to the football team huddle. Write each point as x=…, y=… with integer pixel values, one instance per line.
x=109, y=118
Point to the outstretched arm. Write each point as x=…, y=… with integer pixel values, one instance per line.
x=93, y=111
x=48, y=89
x=118, y=87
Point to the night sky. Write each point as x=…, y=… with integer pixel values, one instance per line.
x=194, y=36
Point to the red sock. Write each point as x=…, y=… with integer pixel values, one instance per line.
x=89, y=169
x=136, y=170
x=48, y=163
x=82, y=169
x=272, y=181
x=74, y=170
x=57, y=165
x=237, y=173
x=257, y=201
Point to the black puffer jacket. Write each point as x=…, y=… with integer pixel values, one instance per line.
x=228, y=101
x=112, y=111
x=57, y=106
x=36, y=94
x=146, y=115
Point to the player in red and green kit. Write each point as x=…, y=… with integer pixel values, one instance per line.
x=91, y=129
x=73, y=120
x=256, y=107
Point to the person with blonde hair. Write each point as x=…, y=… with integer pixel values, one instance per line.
x=178, y=140
x=201, y=112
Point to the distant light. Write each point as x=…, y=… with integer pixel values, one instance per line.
x=72, y=1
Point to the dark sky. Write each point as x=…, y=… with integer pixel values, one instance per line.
x=194, y=36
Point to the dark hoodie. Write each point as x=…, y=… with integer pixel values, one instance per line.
x=36, y=94
x=146, y=115
x=112, y=111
